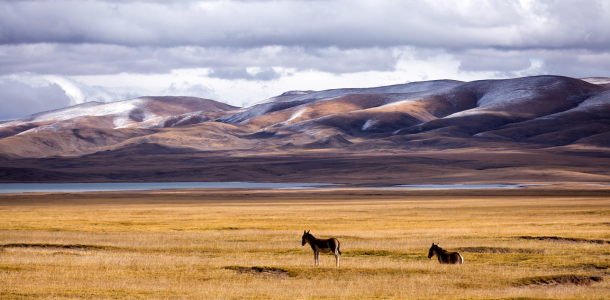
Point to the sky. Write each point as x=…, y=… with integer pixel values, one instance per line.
x=56, y=53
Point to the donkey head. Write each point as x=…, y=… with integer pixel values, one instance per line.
x=431, y=252
x=306, y=236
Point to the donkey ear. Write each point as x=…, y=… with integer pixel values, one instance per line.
x=308, y=231
x=304, y=232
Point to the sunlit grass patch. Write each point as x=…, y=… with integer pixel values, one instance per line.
x=483, y=249
x=236, y=248
x=114, y=294
x=342, y=273
x=402, y=255
x=523, y=298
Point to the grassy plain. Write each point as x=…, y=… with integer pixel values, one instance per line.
x=220, y=244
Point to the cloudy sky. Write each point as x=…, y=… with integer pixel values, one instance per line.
x=59, y=53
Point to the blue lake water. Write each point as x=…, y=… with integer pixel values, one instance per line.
x=6, y=188
x=455, y=186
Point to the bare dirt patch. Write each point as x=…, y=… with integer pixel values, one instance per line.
x=560, y=279
x=499, y=250
x=270, y=272
x=557, y=239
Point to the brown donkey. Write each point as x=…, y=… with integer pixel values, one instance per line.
x=324, y=246
x=445, y=257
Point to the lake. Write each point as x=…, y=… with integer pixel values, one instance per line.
x=455, y=186
x=6, y=188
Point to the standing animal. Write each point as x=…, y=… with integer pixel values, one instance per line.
x=445, y=257
x=320, y=245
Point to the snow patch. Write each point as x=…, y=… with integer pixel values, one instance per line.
x=368, y=124
x=292, y=93
x=121, y=112
x=412, y=87
x=597, y=80
x=504, y=97
x=296, y=115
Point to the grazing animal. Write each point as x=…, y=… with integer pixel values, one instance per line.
x=319, y=245
x=445, y=257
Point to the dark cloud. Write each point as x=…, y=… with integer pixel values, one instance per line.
x=73, y=37
x=90, y=59
x=340, y=23
x=18, y=99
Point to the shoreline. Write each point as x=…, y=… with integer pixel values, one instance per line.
x=29, y=188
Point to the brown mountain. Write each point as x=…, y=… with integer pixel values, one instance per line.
x=529, y=129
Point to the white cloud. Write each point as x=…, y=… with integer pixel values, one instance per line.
x=187, y=89
x=74, y=38
x=241, y=52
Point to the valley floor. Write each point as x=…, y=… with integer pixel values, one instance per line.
x=383, y=167
x=530, y=243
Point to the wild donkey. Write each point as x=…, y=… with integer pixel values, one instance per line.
x=445, y=257
x=324, y=246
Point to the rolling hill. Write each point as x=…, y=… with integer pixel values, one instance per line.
x=402, y=132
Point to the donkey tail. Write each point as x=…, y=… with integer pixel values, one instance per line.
x=338, y=245
x=461, y=259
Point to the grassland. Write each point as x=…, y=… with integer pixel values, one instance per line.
x=220, y=244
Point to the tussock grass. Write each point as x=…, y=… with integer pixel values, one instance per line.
x=58, y=246
x=564, y=239
x=482, y=249
x=225, y=245
x=265, y=271
x=560, y=279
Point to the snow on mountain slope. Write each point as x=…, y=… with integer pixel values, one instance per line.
x=480, y=105
x=296, y=98
x=591, y=117
x=412, y=87
x=538, y=110
x=597, y=80
x=372, y=119
x=145, y=112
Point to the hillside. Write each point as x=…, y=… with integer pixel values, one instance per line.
x=522, y=127
x=145, y=112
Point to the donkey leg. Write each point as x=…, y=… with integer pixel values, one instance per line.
x=317, y=258
x=337, y=258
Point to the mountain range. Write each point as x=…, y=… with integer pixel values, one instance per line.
x=520, y=130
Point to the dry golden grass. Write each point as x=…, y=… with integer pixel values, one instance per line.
x=203, y=244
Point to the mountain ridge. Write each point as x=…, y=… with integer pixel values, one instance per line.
x=534, y=116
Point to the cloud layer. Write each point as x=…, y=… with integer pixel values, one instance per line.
x=266, y=43
x=320, y=24
x=341, y=36
x=20, y=99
